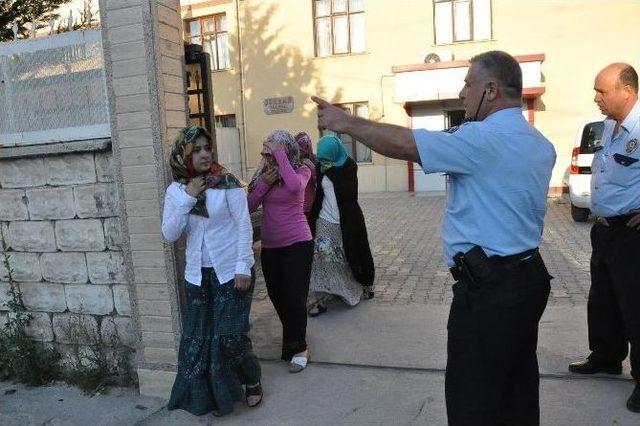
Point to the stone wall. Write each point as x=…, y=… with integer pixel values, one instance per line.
x=61, y=235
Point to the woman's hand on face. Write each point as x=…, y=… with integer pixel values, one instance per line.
x=195, y=186
x=307, y=162
x=271, y=176
x=242, y=282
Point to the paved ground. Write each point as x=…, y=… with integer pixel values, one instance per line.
x=383, y=361
x=375, y=364
x=404, y=232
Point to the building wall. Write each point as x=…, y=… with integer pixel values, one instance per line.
x=278, y=57
x=60, y=233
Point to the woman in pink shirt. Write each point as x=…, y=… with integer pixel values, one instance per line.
x=287, y=245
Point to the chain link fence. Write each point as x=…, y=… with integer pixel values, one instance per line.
x=52, y=89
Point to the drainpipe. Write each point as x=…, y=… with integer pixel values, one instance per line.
x=244, y=155
x=382, y=118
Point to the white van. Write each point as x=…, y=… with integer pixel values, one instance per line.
x=589, y=136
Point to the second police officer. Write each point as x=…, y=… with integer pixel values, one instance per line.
x=613, y=309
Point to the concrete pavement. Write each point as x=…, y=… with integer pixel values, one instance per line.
x=384, y=365
x=383, y=361
x=373, y=364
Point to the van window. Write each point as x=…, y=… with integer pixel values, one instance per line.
x=591, y=137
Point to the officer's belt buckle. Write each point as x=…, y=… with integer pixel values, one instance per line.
x=603, y=221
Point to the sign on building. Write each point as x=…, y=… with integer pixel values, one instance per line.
x=282, y=105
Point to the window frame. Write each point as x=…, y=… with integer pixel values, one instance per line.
x=214, y=34
x=350, y=107
x=347, y=13
x=222, y=119
x=453, y=22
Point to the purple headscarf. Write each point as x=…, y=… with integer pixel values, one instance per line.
x=278, y=138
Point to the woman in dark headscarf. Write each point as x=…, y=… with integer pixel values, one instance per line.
x=342, y=262
x=309, y=159
x=216, y=358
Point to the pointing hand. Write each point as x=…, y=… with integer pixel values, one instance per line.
x=330, y=116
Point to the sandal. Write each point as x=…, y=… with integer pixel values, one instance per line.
x=298, y=363
x=317, y=309
x=250, y=394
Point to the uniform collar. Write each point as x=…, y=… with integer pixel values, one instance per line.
x=632, y=118
x=503, y=113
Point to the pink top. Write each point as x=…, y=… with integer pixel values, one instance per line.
x=283, y=220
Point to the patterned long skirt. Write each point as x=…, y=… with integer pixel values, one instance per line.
x=330, y=274
x=216, y=355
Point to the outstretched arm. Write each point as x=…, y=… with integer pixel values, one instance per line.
x=386, y=139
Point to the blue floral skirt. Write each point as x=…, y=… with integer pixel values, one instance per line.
x=216, y=355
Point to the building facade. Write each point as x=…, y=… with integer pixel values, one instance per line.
x=403, y=62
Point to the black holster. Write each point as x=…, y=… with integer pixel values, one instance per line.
x=470, y=269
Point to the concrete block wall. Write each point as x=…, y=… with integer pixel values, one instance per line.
x=61, y=234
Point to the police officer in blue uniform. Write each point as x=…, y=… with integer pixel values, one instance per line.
x=498, y=169
x=614, y=298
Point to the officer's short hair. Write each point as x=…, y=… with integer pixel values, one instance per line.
x=504, y=68
x=629, y=76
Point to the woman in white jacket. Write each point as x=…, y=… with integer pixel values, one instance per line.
x=209, y=205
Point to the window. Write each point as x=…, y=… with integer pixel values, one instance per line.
x=195, y=94
x=454, y=118
x=357, y=150
x=339, y=26
x=212, y=34
x=226, y=120
x=461, y=20
x=591, y=137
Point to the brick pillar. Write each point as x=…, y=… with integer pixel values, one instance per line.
x=144, y=56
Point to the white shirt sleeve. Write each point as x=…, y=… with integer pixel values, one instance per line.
x=175, y=215
x=237, y=201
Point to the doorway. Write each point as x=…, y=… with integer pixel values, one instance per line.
x=454, y=117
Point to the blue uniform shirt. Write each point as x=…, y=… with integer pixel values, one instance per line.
x=498, y=179
x=615, y=179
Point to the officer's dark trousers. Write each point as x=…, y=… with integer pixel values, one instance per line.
x=492, y=368
x=614, y=298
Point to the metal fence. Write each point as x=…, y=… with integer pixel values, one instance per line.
x=52, y=89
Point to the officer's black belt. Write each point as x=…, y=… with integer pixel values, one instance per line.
x=612, y=221
x=502, y=261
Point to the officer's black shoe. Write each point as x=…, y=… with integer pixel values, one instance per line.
x=590, y=367
x=633, y=403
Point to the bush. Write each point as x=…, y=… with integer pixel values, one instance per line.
x=93, y=364
x=21, y=358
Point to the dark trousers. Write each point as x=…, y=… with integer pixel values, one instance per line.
x=492, y=367
x=614, y=298
x=287, y=272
